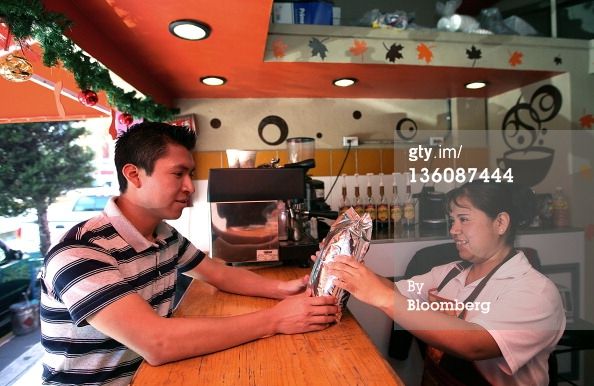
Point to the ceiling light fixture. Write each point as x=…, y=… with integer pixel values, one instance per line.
x=213, y=80
x=189, y=29
x=344, y=82
x=475, y=85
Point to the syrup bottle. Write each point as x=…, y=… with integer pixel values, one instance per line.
x=560, y=209
x=383, y=208
x=345, y=203
x=358, y=206
x=408, y=211
x=395, y=205
x=370, y=206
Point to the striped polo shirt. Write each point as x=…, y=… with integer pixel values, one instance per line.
x=96, y=263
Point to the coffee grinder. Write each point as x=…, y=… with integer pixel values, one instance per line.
x=301, y=153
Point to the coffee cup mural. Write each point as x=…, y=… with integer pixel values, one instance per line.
x=524, y=134
x=529, y=167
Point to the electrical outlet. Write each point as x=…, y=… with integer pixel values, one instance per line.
x=436, y=141
x=354, y=141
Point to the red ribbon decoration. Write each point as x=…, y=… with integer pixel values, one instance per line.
x=112, y=127
x=8, y=38
x=57, y=94
x=24, y=45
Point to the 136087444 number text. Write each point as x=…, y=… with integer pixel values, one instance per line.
x=460, y=175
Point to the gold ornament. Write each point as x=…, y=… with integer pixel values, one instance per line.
x=16, y=69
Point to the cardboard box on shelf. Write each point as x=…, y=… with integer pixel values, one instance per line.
x=282, y=13
x=336, y=13
x=307, y=12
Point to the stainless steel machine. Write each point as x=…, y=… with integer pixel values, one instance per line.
x=246, y=205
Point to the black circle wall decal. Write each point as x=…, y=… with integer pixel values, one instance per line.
x=357, y=114
x=407, y=132
x=215, y=123
x=319, y=135
x=278, y=122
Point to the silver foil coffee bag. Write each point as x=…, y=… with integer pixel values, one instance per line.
x=349, y=235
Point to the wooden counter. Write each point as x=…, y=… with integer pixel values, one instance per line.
x=340, y=355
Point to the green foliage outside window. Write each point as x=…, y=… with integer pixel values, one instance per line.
x=38, y=163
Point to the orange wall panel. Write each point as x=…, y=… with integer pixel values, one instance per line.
x=359, y=161
x=206, y=160
x=368, y=161
x=349, y=164
x=323, y=163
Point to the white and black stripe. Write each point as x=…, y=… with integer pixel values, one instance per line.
x=96, y=263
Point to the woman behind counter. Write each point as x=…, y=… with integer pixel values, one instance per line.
x=509, y=316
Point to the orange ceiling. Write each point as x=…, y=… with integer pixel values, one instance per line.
x=131, y=37
x=28, y=101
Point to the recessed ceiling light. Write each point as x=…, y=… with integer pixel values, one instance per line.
x=344, y=82
x=475, y=85
x=189, y=29
x=213, y=80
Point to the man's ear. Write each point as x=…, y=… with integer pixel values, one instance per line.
x=502, y=222
x=130, y=172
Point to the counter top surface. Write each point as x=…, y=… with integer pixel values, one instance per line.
x=339, y=355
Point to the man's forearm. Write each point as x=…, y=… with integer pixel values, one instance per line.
x=181, y=338
x=236, y=280
x=245, y=282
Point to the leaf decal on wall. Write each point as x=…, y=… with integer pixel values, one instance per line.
x=358, y=48
x=515, y=58
x=318, y=47
x=279, y=48
x=586, y=121
x=393, y=52
x=425, y=53
x=473, y=54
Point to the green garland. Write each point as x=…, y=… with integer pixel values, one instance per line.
x=28, y=18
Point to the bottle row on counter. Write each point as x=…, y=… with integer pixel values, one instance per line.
x=426, y=208
x=385, y=211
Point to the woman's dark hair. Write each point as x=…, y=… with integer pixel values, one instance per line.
x=518, y=201
x=144, y=143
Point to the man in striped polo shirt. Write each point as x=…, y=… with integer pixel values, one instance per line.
x=108, y=285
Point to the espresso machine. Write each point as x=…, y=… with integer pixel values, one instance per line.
x=269, y=213
x=258, y=215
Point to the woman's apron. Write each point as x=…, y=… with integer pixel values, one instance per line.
x=443, y=369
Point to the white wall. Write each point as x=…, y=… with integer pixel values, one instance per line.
x=332, y=118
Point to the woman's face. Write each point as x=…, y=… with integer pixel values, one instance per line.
x=477, y=236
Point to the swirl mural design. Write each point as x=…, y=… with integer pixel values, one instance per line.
x=523, y=132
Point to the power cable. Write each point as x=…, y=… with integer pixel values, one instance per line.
x=340, y=169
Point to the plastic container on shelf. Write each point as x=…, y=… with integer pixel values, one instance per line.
x=241, y=158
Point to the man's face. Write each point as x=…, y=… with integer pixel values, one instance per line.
x=167, y=191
